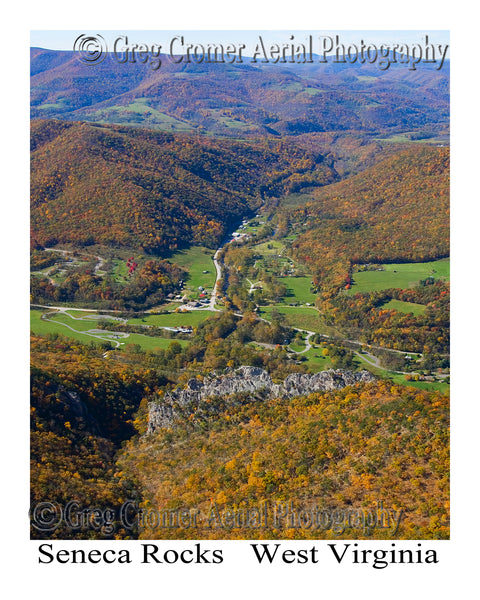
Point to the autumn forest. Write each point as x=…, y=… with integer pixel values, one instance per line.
x=191, y=222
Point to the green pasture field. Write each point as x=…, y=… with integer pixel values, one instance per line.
x=296, y=316
x=49, y=105
x=298, y=342
x=150, y=343
x=251, y=229
x=295, y=199
x=399, y=379
x=79, y=325
x=295, y=347
x=173, y=319
x=120, y=270
x=80, y=320
x=124, y=113
x=405, y=307
x=403, y=275
x=316, y=361
x=311, y=91
x=228, y=121
x=298, y=289
x=84, y=313
x=195, y=260
x=403, y=138
x=263, y=249
x=366, y=78
x=44, y=327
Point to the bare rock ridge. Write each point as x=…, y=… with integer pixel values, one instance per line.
x=250, y=383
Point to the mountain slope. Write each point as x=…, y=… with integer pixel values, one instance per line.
x=127, y=186
x=395, y=211
x=332, y=454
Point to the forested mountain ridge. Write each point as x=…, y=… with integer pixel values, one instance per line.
x=395, y=211
x=156, y=191
x=331, y=452
x=339, y=450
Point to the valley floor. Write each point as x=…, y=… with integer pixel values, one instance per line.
x=180, y=316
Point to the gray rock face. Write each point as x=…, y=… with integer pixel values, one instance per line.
x=252, y=382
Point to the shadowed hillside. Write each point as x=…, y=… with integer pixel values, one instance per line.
x=121, y=186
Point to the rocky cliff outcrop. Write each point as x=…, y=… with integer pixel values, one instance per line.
x=245, y=384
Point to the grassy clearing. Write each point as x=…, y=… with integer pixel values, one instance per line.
x=250, y=228
x=56, y=324
x=229, y=121
x=316, y=361
x=60, y=103
x=119, y=270
x=296, y=199
x=79, y=325
x=173, y=319
x=438, y=386
x=404, y=138
x=83, y=313
x=195, y=260
x=138, y=112
x=274, y=261
x=82, y=321
x=298, y=290
x=399, y=379
x=41, y=327
x=291, y=86
x=311, y=91
x=150, y=343
x=268, y=248
x=298, y=343
x=293, y=347
x=404, y=275
x=405, y=307
x=366, y=78
x=299, y=317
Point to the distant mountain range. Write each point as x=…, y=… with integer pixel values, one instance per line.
x=240, y=100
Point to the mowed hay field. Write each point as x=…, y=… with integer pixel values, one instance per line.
x=195, y=260
x=399, y=275
x=180, y=319
x=297, y=316
x=298, y=289
x=405, y=307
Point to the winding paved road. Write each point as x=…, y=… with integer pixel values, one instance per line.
x=101, y=334
x=308, y=345
x=218, y=269
x=366, y=356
